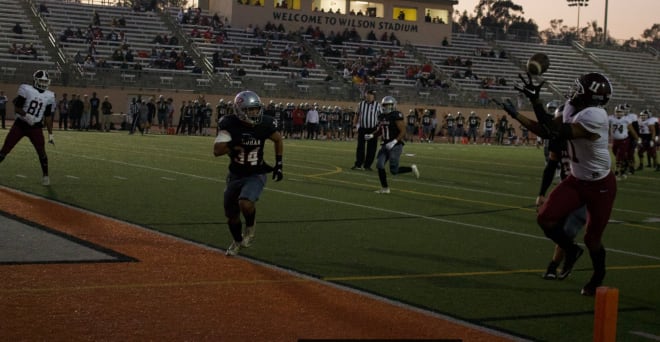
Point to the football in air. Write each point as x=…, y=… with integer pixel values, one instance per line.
x=538, y=63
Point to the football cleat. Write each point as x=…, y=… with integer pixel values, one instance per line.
x=551, y=271
x=571, y=258
x=383, y=191
x=590, y=288
x=248, y=236
x=233, y=249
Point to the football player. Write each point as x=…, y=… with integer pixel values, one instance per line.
x=558, y=158
x=473, y=127
x=647, y=139
x=242, y=137
x=392, y=130
x=621, y=128
x=489, y=126
x=584, y=124
x=34, y=106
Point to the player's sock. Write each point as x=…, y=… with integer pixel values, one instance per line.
x=598, y=263
x=404, y=169
x=236, y=231
x=383, y=178
x=249, y=218
x=43, y=160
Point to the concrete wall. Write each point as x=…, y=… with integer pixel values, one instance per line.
x=418, y=31
x=120, y=98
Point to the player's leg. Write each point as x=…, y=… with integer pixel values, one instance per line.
x=233, y=213
x=252, y=188
x=382, y=158
x=552, y=216
x=600, y=200
x=36, y=137
x=16, y=133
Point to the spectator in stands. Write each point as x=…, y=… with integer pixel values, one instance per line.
x=483, y=98
x=112, y=36
x=96, y=19
x=401, y=16
x=43, y=9
x=304, y=73
x=89, y=63
x=445, y=42
x=122, y=21
x=78, y=58
x=14, y=50
x=469, y=74
x=17, y=29
x=129, y=56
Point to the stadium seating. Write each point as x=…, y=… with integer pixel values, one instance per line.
x=15, y=53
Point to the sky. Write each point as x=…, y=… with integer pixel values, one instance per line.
x=626, y=18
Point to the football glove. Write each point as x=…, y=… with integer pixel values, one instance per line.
x=277, y=170
x=651, y=143
x=391, y=144
x=368, y=136
x=531, y=91
x=51, y=140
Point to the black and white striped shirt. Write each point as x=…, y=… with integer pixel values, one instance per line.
x=368, y=114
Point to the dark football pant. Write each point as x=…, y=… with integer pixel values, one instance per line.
x=21, y=129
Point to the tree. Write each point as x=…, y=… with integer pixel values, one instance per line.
x=498, y=17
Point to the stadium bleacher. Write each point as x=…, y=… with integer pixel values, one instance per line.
x=247, y=58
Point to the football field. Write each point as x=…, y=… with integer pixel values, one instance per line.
x=461, y=241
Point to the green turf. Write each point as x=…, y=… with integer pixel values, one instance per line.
x=462, y=240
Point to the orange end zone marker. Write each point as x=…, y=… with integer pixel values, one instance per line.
x=605, y=314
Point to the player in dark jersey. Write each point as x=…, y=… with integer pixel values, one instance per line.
x=34, y=106
x=558, y=157
x=427, y=125
x=392, y=130
x=473, y=127
x=242, y=137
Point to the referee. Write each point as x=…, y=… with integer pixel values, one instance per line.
x=366, y=122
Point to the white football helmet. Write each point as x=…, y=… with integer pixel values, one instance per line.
x=248, y=107
x=41, y=80
x=619, y=111
x=645, y=114
x=388, y=104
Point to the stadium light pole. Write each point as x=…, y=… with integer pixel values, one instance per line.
x=605, y=25
x=578, y=4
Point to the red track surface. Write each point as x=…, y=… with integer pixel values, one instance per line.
x=179, y=291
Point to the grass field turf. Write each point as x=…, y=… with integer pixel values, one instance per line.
x=462, y=240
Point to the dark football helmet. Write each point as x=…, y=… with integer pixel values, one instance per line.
x=388, y=104
x=592, y=89
x=248, y=107
x=41, y=80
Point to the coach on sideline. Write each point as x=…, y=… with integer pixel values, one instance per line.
x=366, y=121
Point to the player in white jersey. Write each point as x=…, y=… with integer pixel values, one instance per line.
x=647, y=140
x=632, y=144
x=584, y=124
x=621, y=128
x=34, y=106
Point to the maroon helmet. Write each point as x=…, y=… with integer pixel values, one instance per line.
x=592, y=89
